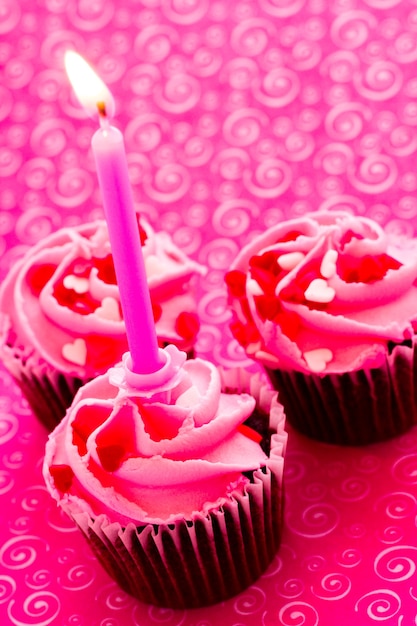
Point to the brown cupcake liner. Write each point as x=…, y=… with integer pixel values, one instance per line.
x=356, y=408
x=48, y=392
x=199, y=562
x=193, y=563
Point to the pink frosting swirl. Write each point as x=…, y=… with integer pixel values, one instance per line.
x=61, y=299
x=156, y=456
x=325, y=293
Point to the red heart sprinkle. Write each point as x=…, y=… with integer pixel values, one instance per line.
x=267, y=306
x=348, y=236
x=187, y=325
x=289, y=322
x=106, y=271
x=38, y=276
x=85, y=422
x=62, y=476
x=292, y=293
x=245, y=334
x=111, y=456
x=236, y=283
x=266, y=271
x=267, y=260
x=157, y=311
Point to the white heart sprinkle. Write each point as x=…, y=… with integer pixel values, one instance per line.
x=79, y=285
x=317, y=359
x=290, y=260
x=75, y=352
x=328, y=264
x=319, y=291
x=267, y=358
x=254, y=288
x=109, y=309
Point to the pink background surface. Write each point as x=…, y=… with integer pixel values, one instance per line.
x=236, y=114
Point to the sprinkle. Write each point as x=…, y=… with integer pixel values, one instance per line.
x=156, y=311
x=289, y=322
x=293, y=292
x=236, y=282
x=105, y=269
x=75, y=352
x=187, y=325
x=268, y=307
x=319, y=291
x=288, y=261
x=254, y=288
x=267, y=358
x=348, y=236
x=109, y=309
x=39, y=275
x=79, y=285
x=246, y=333
x=265, y=270
x=317, y=359
x=111, y=456
x=85, y=422
x=250, y=433
x=62, y=476
x=328, y=264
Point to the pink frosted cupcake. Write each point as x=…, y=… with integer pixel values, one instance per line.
x=327, y=303
x=177, y=489
x=60, y=316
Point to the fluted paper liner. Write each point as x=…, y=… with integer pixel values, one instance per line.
x=48, y=391
x=198, y=562
x=355, y=408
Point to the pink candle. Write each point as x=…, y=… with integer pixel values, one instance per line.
x=110, y=157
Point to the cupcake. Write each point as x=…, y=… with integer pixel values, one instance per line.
x=61, y=322
x=327, y=304
x=178, y=486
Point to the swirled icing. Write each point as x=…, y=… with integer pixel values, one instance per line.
x=324, y=293
x=156, y=457
x=61, y=299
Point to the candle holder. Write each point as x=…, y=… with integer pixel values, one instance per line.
x=152, y=384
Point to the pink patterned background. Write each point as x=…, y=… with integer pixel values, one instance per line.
x=236, y=114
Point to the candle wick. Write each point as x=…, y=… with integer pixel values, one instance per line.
x=102, y=114
x=101, y=107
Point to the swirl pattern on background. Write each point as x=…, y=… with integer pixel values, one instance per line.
x=235, y=116
x=380, y=605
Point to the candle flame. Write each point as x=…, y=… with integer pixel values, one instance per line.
x=90, y=90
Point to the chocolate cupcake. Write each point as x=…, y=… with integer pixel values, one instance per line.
x=178, y=490
x=327, y=304
x=61, y=323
